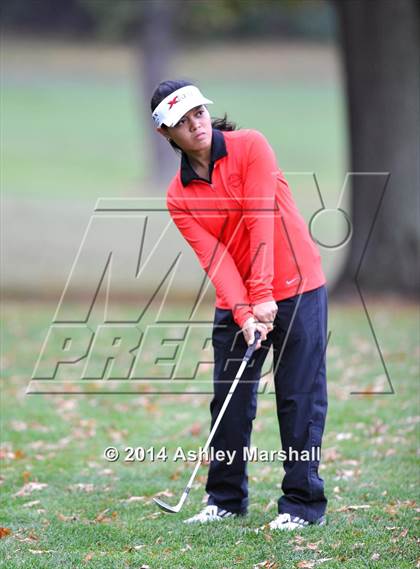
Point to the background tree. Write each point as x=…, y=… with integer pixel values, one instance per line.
x=157, y=44
x=152, y=28
x=380, y=47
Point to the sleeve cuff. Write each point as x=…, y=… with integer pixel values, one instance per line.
x=241, y=315
x=260, y=299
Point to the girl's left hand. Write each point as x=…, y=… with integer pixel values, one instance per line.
x=266, y=312
x=249, y=329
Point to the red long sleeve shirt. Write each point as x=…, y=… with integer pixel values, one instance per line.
x=243, y=224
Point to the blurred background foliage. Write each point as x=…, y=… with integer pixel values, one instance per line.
x=198, y=21
x=333, y=84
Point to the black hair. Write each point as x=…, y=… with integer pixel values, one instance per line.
x=165, y=88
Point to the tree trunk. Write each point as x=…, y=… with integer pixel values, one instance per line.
x=156, y=49
x=380, y=46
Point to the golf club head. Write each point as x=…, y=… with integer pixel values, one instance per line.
x=166, y=507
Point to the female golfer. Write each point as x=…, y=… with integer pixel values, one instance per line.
x=231, y=202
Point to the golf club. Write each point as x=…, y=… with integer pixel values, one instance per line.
x=245, y=360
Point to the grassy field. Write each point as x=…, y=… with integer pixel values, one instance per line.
x=74, y=124
x=64, y=506
x=75, y=127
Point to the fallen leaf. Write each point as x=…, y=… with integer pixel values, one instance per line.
x=42, y=456
x=270, y=505
x=102, y=517
x=415, y=419
x=88, y=557
x=267, y=564
x=166, y=493
x=150, y=516
x=195, y=429
x=30, y=504
x=378, y=427
x=351, y=462
x=82, y=487
x=6, y=452
x=117, y=436
x=107, y=472
x=306, y=564
x=343, y=436
x=133, y=499
x=330, y=454
x=391, y=509
x=4, y=532
x=71, y=518
x=352, y=508
x=312, y=546
x=346, y=474
x=122, y=407
x=407, y=503
x=39, y=427
x=18, y=426
x=186, y=548
x=30, y=487
x=403, y=533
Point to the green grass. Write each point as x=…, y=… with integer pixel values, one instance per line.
x=73, y=124
x=369, y=459
x=73, y=139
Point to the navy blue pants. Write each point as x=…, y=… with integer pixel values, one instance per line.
x=299, y=342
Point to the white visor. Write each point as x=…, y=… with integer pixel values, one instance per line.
x=174, y=106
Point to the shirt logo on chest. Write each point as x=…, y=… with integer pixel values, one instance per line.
x=234, y=181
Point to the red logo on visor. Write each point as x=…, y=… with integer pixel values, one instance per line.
x=173, y=102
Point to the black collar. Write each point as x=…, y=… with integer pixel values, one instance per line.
x=218, y=150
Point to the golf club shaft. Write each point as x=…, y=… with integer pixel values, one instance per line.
x=242, y=367
x=217, y=422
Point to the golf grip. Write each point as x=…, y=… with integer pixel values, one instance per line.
x=252, y=347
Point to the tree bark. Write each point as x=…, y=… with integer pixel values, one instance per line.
x=157, y=44
x=380, y=50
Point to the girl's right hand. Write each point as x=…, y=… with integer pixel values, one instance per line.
x=248, y=331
